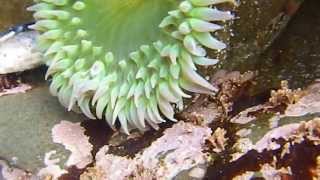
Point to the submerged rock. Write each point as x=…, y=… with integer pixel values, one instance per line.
x=259, y=24
x=293, y=56
x=26, y=122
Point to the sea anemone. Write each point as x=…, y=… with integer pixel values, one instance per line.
x=127, y=60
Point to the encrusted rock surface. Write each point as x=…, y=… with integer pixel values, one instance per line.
x=71, y=135
x=274, y=138
x=179, y=149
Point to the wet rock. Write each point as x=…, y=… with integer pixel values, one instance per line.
x=293, y=56
x=18, y=52
x=259, y=24
x=309, y=104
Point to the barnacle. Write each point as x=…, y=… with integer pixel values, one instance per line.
x=127, y=60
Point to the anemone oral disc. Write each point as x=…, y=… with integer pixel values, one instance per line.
x=115, y=58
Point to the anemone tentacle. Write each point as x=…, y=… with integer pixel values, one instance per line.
x=110, y=74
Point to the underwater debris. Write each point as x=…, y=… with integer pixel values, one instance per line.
x=202, y=111
x=11, y=84
x=21, y=88
x=232, y=85
x=92, y=173
x=8, y=82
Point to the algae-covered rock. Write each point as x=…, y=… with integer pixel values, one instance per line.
x=293, y=56
x=259, y=23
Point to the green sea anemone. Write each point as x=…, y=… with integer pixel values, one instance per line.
x=127, y=60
